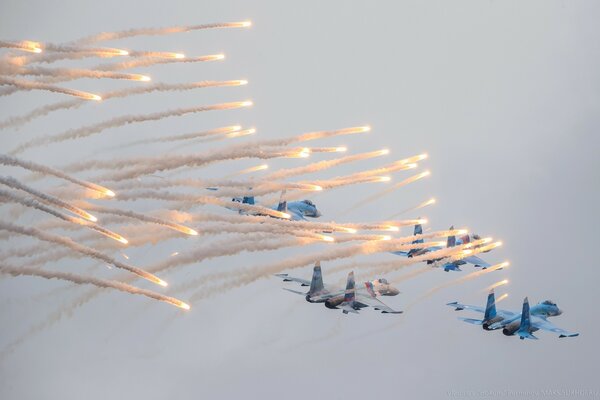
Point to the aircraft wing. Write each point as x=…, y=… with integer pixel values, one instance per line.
x=287, y=278
x=542, y=323
x=296, y=215
x=477, y=261
x=503, y=313
x=345, y=307
x=376, y=304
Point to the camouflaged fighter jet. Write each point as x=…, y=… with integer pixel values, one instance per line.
x=521, y=324
x=450, y=242
x=352, y=299
x=298, y=210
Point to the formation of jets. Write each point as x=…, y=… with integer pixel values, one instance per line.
x=523, y=324
x=352, y=299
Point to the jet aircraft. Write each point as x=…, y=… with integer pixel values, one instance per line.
x=350, y=300
x=451, y=242
x=522, y=324
x=298, y=210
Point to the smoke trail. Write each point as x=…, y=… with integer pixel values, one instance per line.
x=250, y=275
x=386, y=191
x=150, y=165
x=164, y=195
x=457, y=281
x=228, y=247
x=25, y=45
x=80, y=279
x=187, y=136
x=88, y=251
x=27, y=202
x=147, y=62
x=145, y=218
x=321, y=165
x=46, y=198
x=34, y=167
x=89, y=130
x=156, y=87
x=73, y=73
x=106, y=36
x=32, y=85
x=415, y=208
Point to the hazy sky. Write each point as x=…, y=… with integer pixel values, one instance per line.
x=503, y=95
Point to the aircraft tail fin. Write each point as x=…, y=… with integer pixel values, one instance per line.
x=490, y=307
x=316, y=284
x=248, y=200
x=418, y=231
x=525, y=328
x=349, y=294
x=282, y=206
x=451, y=241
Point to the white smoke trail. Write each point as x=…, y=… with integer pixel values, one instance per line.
x=168, y=196
x=156, y=87
x=80, y=279
x=218, y=132
x=34, y=167
x=27, y=202
x=249, y=275
x=147, y=62
x=106, y=36
x=88, y=251
x=321, y=165
x=89, y=130
x=72, y=73
x=46, y=198
x=150, y=165
x=22, y=84
x=145, y=218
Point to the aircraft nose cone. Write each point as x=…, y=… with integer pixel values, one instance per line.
x=559, y=312
x=394, y=291
x=318, y=213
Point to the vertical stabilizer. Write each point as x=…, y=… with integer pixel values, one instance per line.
x=316, y=284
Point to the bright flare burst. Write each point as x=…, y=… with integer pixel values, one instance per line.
x=495, y=285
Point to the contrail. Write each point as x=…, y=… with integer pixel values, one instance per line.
x=106, y=36
x=321, y=165
x=27, y=202
x=88, y=251
x=46, y=198
x=89, y=130
x=80, y=279
x=156, y=87
x=32, y=85
x=34, y=167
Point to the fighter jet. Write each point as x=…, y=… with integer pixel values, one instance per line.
x=451, y=242
x=350, y=300
x=298, y=210
x=521, y=324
